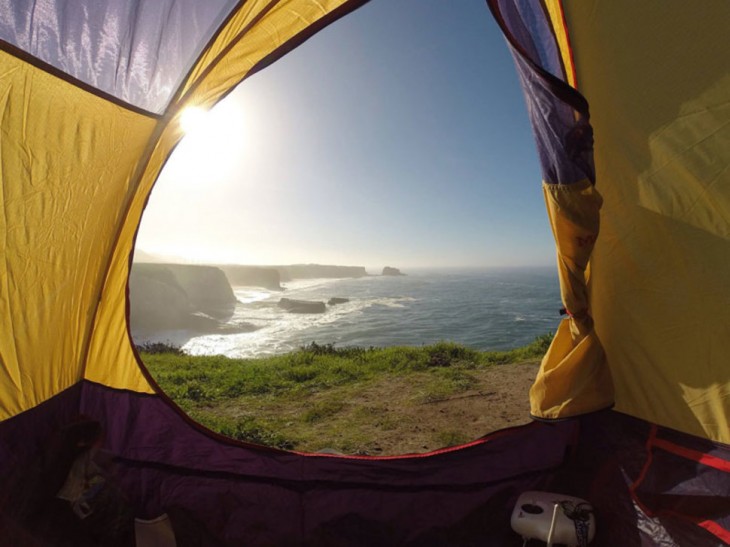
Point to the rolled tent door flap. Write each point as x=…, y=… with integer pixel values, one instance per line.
x=574, y=377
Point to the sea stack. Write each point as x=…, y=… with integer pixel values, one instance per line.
x=391, y=271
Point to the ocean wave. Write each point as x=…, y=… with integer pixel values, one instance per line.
x=391, y=302
x=249, y=296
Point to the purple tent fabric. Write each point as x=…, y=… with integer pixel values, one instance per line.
x=224, y=492
x=558, y=113
x=238, y=493
x=136, y=50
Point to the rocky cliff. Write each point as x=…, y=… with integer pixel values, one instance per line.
x=178, y=296
x=207, y=288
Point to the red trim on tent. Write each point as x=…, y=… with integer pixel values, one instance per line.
x=570, y=46
x=695, y=455
x=482, y=440
x=561, y=89
x=56, y=72
x=644, y=471
x=715, y=529
x=649, y=458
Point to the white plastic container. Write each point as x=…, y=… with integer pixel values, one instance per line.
x=156, y=532
x=535, y=513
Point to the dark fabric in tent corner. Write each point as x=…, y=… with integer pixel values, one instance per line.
x=226, y=492
x=218, y=491
x=268, y=497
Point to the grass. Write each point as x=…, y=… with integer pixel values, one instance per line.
x=322, y=395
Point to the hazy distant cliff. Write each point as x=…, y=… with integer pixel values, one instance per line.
x=312, y=271
x=199, y=299
x=270, y=277
x=256, y=276
x=206, y=286
x=178, y=296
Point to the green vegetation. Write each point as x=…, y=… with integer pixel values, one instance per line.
x=323, y=396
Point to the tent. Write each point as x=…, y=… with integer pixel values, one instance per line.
x=91, y=92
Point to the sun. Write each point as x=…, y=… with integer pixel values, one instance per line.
x=194, y=119
x=214, y=140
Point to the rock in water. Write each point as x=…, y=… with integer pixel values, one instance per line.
x=337, y=300
x=391, y=271
x=302, y=306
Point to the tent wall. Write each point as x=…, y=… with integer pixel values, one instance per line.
x=67, y=163
x=658, y=81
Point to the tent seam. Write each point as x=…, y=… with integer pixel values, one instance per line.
x=48, y=68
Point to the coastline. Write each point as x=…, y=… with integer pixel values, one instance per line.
x=484, y=310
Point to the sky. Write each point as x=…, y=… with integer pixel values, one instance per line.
x=396, y=136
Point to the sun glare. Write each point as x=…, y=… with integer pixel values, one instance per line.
x=193, y=119
x=215, y=140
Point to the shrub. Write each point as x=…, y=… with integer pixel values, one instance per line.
x=445, y=354
x=156, y=348
x=329, y=349
x=539, y=346
x=245, y=428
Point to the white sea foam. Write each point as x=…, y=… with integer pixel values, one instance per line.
x=247, y=295
x=306, y=284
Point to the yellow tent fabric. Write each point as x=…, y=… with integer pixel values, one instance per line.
x=659, y=89
x=557, y=20
x=574, y=377
x=77, y=168
x=68, y=160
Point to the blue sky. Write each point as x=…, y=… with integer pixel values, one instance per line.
x=396, y=136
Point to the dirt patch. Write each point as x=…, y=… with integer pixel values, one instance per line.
x=392, y=414
x=498, y=399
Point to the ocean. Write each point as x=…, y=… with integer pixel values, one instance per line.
x=491, y=309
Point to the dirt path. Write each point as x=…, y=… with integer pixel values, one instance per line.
x=499, y=400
